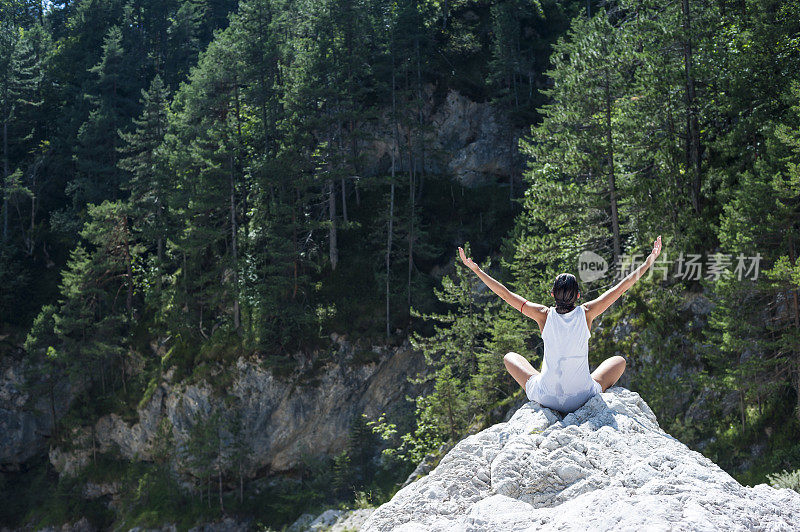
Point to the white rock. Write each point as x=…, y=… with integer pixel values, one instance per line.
x=332, y=521
x=352, y=520
x=606, y=466
x=325, y=519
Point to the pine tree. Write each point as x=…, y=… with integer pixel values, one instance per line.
x=453, y=352
x=204, y=147
x=150, y=178
x=760, y=346
x=184, y=40
x=112, y=107
x=513, y=65
x=92, y=324
x=342, y=473
x=18, y=94
x=200, y=451
x=48, y=366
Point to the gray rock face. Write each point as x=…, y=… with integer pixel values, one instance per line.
x=471, y=141
x=25, y=420
x=281, y=420
x=82, y=525
x=606, y=466
x=331, y=521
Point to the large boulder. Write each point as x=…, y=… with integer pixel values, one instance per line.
x=606, y=466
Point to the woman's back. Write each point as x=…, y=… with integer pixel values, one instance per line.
x=565, y=383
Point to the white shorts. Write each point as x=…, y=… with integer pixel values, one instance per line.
x=532, y=387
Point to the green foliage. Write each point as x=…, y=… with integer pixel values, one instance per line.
x=452, y=354
x=408, y=449
x=110, y=97
x=181, y=170
x=464, y=369
x=786, y=479
x=86, y=335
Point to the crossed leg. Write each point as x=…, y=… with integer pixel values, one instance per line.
x=609, y=371
x=519, y=367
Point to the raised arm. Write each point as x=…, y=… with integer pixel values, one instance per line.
x=532, y=310
x=598, y=306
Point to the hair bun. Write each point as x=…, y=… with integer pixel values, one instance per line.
x=565, y=292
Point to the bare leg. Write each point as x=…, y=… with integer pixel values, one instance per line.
x=519, y=367
x=609, y=371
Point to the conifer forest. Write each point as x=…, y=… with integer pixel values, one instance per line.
x=194, y=187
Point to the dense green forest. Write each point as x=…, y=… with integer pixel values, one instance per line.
x=193, y=171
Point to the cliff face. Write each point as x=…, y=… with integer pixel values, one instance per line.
x=281, y=420
x=26, y=416
x=470, y=141
x=606, y=466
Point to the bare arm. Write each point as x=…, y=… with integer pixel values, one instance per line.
x=598, y=306
x=532, y=310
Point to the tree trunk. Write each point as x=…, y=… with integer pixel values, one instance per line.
x=389, y=249
x=294, y=246
x=128, y=266
x=340, y=151
x=450, y=415
x=5, y=177
x=612, y=188
x=391, y=202
x=420, y=133
x=114, y=145
x=160, y=248
x=354, y=157
x=124, y=383
x=334, y=250
x=796, y=308
x=741, y=408
x=94, y=448
x=219, y=478
x=236, y=312
x=344, y=200
x=237, y=317
x=53, y=408
x=692, y=129
x=411, y=209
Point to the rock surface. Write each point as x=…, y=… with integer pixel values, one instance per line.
x=606, y=466
x=331, y=521
x=280, y=420
x=26, y=419
x=471, y=141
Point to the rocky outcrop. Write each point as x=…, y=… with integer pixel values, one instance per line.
x=280, y=419
x=331, y=520
x=606, y=466
x=470, y=141
x=26, y=416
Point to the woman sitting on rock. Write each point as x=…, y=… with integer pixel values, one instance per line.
x=564, y=383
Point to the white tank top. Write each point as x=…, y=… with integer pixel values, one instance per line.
x=565, y=382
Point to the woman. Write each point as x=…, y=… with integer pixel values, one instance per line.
x=564, y=383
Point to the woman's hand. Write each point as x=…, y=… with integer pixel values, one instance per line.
x=467, y=261
x=656, y=249
x=599, y=305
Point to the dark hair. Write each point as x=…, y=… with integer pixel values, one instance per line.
x=565, y=292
